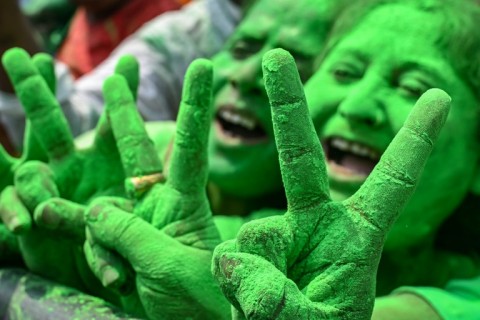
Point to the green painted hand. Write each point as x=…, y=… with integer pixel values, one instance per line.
x=9, y=251
x=32, y=150
x=52, y=195
x=170, y=239
x=319, y=260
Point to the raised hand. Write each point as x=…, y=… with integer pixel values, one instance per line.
x=171, y=256
x=48, y=193
x=319, y=260
x=9, y=251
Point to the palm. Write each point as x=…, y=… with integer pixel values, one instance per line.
x=186, y=219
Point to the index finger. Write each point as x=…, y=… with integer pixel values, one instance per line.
x=300, y=153
x=41, y=107
x=395, y=177
x=188, y=169
x=137, y=151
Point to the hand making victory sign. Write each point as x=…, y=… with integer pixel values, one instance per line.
x=45, y=205
x=9, y=252
x=319, y=260
x=170, y=238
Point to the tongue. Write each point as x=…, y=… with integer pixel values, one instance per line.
x=357, y=164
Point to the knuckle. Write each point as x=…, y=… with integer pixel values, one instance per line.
x=262, y=232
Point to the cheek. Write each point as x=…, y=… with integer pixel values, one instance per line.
x=397, y=110
x=221, y=94
x=222, y=67
x=218, y=83
x=445, y=181
x=324, y=95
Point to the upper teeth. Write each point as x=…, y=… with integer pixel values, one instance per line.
x=354, y=148
x=238, y=119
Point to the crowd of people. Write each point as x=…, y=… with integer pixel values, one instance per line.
x=228, y=159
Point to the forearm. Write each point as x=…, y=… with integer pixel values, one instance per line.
x=15, y=31
x=403, y=307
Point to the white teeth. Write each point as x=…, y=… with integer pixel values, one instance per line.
x=238, y=119
x=340, y=144
x=354, y=148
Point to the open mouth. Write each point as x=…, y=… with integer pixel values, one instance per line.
x=239, y=126
x=348, y=159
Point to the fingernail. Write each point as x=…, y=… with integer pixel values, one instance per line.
x=48, y=217
x=227, y=266
x=109, y=276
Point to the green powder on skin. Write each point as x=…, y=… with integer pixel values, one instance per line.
x=330, y=250
x=308, y=194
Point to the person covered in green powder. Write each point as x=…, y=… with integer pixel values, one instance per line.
x=242, y=147
x=379, y=59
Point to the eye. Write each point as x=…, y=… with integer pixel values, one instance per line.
x=413, y=88
x=345, y=73
x=243, y=49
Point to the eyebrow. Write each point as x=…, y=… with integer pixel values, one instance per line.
x=260, y=30
x=249, y=34
x=351, y=53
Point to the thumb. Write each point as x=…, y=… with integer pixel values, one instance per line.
x=118, y=230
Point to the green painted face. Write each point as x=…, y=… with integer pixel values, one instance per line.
x=361, y=95
x=243, y=157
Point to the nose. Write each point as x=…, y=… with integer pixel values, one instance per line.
x=247, y=76
x=363, y=106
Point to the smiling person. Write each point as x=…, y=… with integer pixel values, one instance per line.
x=242, y=148
x=375, y=66
x=379, y=60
